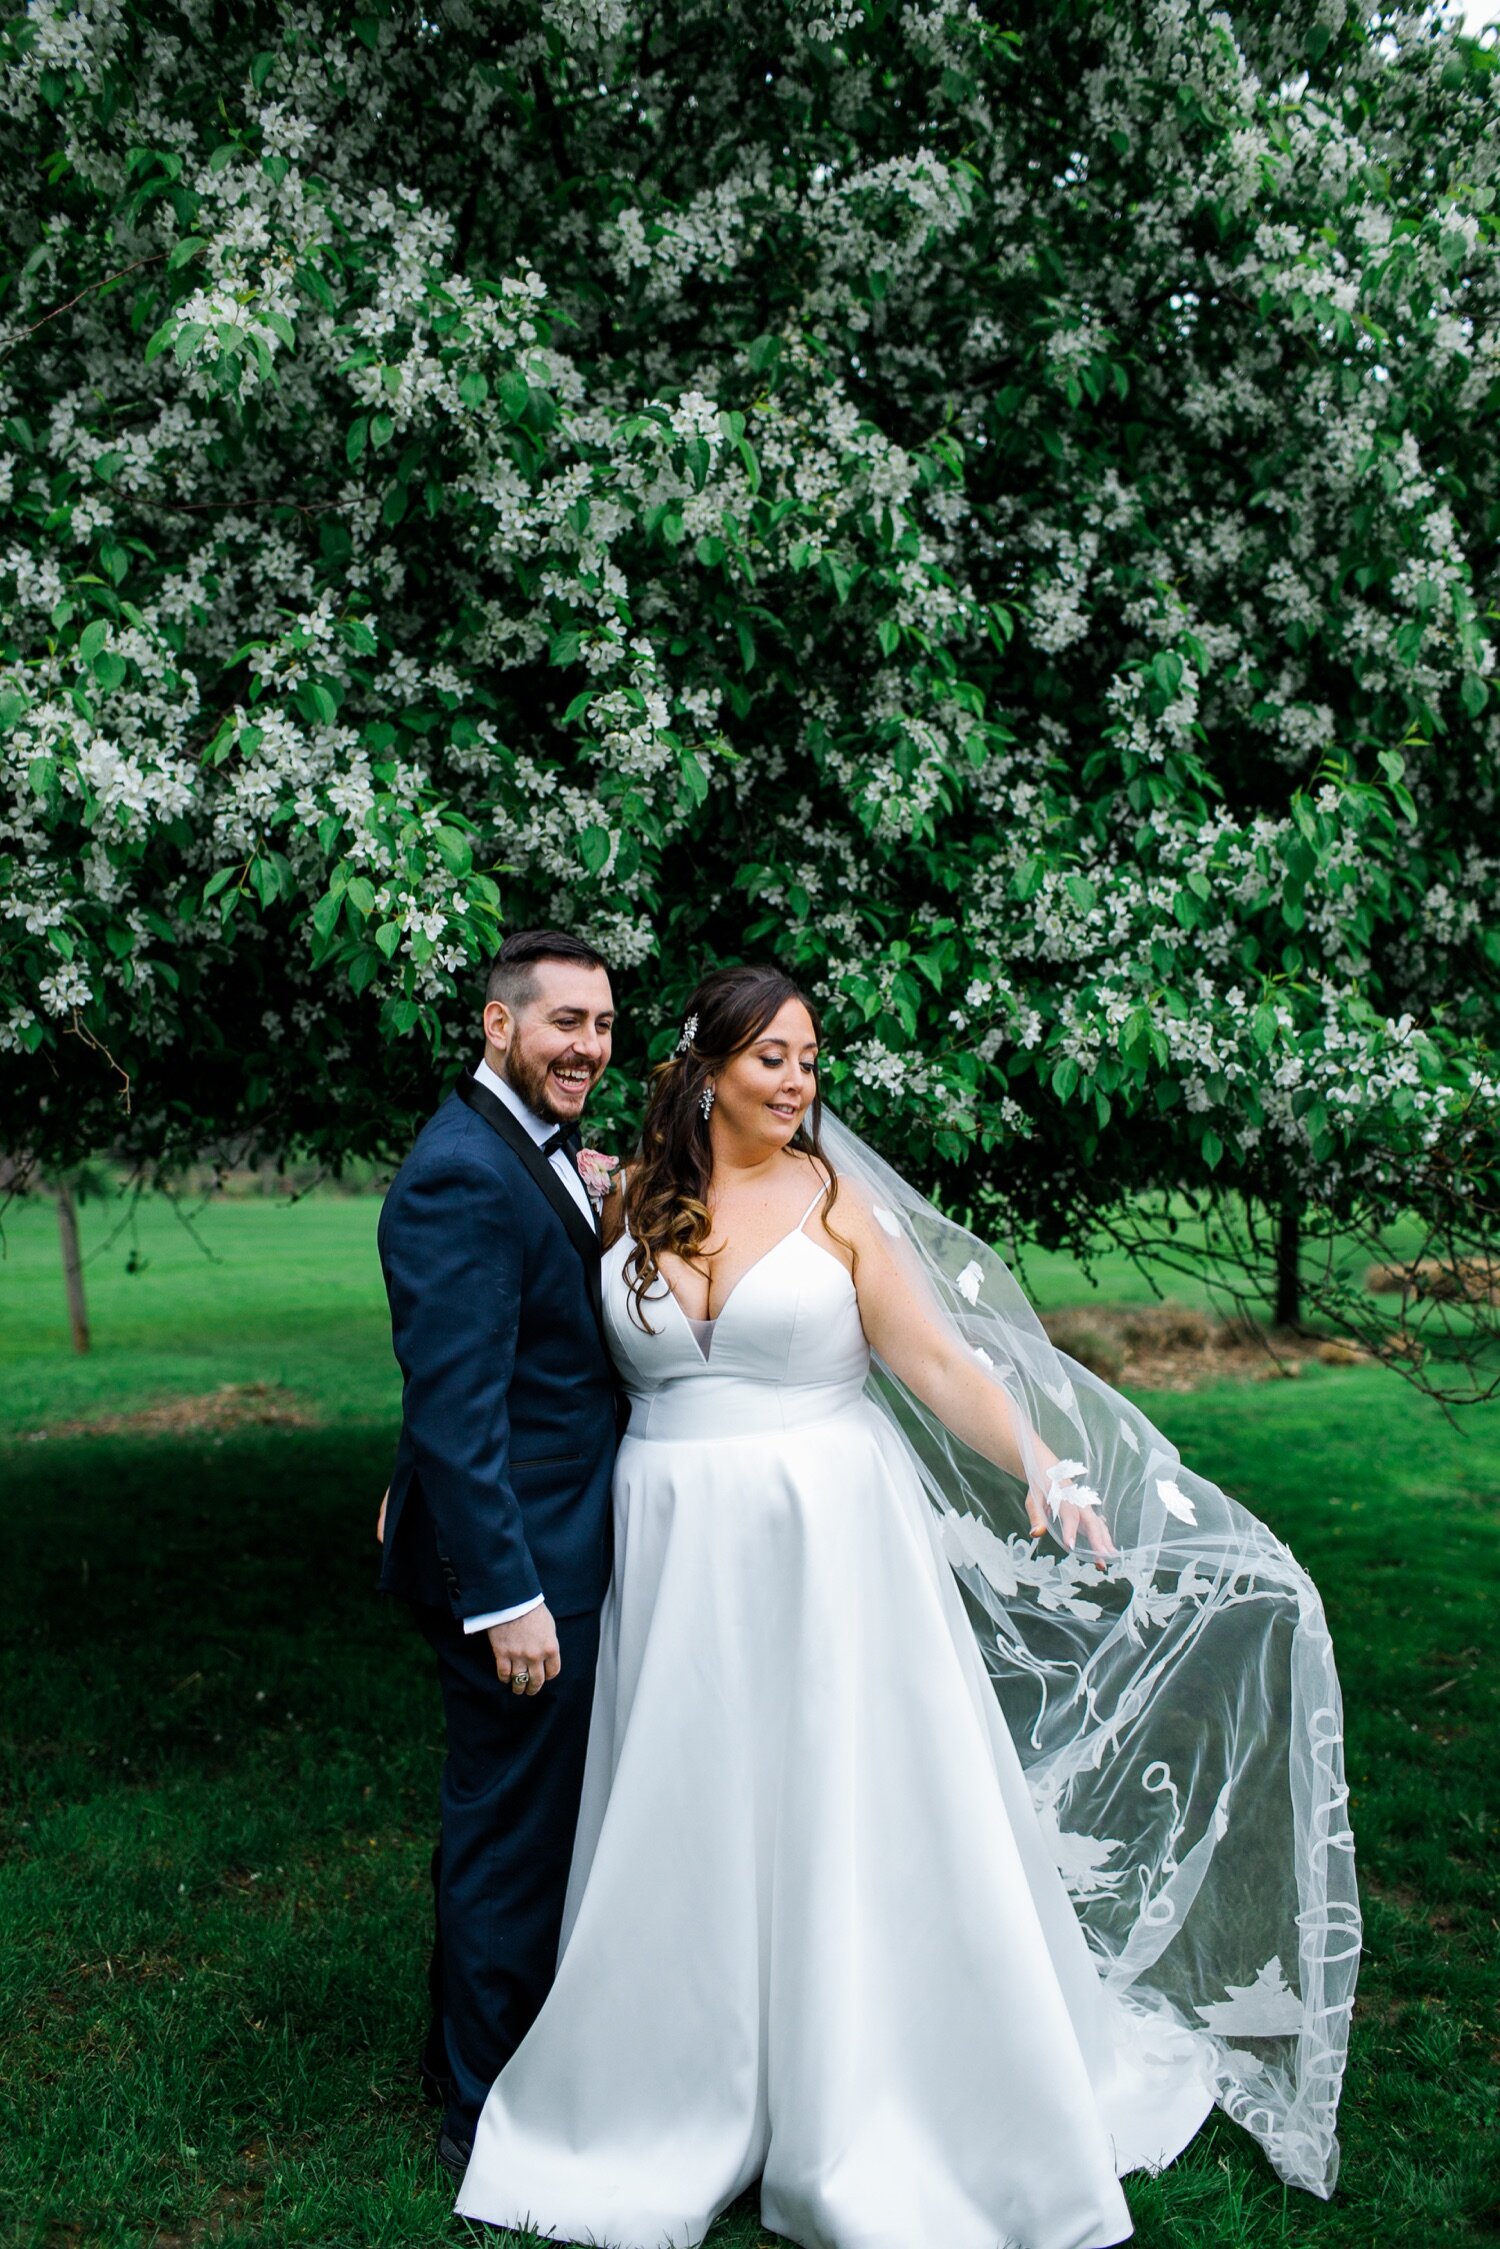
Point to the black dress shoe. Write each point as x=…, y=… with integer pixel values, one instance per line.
x=454, y=2156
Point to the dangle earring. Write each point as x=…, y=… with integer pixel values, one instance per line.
x=707, y=1101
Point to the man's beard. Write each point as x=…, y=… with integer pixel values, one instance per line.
x=528, y=1077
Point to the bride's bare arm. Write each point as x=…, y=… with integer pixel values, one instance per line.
x=906, y=1328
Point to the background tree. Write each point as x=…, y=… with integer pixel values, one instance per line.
x=1005, y=520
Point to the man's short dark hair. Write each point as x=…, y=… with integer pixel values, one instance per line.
x=512, y=977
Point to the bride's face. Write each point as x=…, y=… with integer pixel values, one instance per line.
x=763, y=1092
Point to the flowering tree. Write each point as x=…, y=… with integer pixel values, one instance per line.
x=1005, y=521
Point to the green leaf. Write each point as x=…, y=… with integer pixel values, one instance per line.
x=191, y=246
x=316, y=703
x=1213, y=1149
x=382, y=430
x=312, y=281
x=515, y=394
x=473, y=388
x=453, y=849
x=358, y=437
x=92, y=639
x=388, y=937
x=109, y=670
x=1166, y=673
x=361, y=895
x=593, y=848
x=694, y=775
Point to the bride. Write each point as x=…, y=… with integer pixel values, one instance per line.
x=930, y=1874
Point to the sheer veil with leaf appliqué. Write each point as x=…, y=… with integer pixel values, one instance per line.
x=1178, y=1716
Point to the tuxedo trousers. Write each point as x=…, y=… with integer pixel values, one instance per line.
x=512, y=1779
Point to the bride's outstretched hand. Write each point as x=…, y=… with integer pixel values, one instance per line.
x=1070, y=1520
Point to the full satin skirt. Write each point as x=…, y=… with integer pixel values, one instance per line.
x=813, y=1934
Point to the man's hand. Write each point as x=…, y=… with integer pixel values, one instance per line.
x=526, y=1651
x=380, y=1522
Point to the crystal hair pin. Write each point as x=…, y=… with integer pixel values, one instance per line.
x=689, y=1033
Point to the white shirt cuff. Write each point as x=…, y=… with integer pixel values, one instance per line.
x=503, y=1616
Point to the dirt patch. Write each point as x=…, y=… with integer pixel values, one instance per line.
x=211, y=1413
x=233, y=2213
x=1177, y=1347
x=1464, y=1280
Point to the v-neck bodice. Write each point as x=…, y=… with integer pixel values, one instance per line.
x=787, y=1347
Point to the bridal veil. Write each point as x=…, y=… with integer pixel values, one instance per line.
x=1178, y=1714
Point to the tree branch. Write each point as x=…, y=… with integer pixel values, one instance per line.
x=58, y=310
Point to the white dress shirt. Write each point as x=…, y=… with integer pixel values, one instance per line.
x=540, y=1129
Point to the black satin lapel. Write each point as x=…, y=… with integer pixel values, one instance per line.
x=580, y=1233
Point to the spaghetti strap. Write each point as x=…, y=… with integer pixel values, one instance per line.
x=812, y=1206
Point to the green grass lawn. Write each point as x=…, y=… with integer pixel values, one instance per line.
x=219, y=1756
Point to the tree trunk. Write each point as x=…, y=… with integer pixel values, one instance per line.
x=67, y=1226
x=1288, y=1264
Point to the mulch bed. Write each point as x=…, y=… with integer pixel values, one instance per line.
x=1176, y=1347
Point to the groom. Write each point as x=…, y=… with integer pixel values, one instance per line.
x=497, y=1527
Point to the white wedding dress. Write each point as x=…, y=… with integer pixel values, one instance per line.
x=813, y=1932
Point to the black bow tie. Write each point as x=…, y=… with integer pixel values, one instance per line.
x=567, y=1137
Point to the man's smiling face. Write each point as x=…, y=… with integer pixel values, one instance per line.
x=555, y=1048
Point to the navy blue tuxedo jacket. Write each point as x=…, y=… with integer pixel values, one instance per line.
x=501, y=1487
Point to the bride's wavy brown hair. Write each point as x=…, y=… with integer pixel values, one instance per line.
x=666, y=1194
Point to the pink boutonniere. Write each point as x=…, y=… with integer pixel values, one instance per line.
x=597, y=1171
